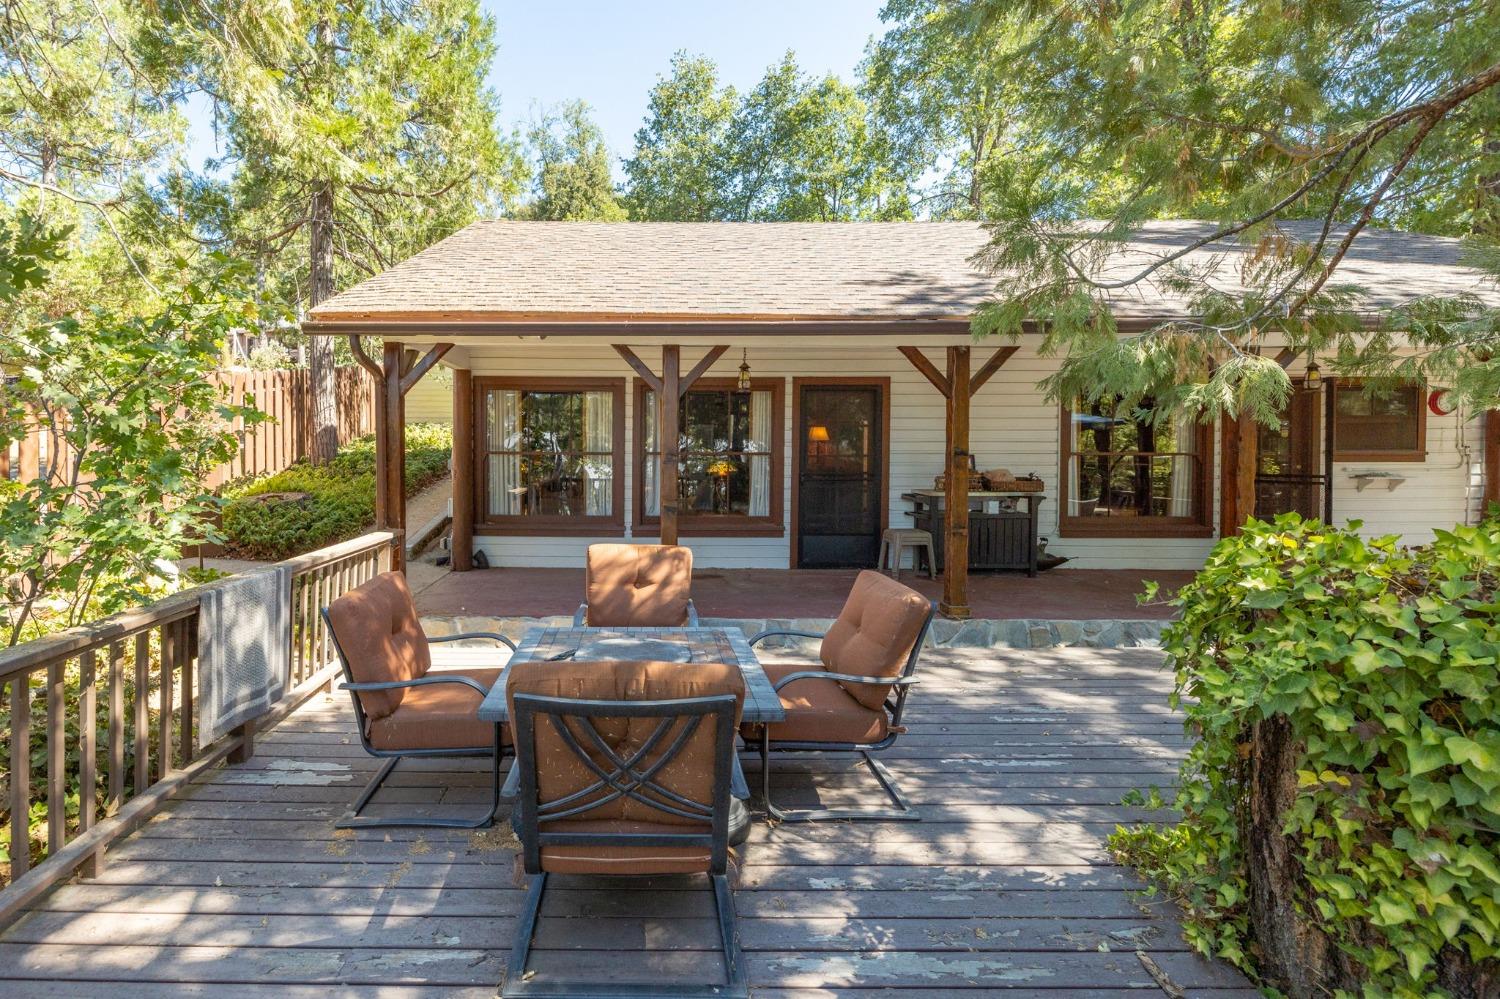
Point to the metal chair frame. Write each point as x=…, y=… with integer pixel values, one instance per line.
x=352, y=819
x=581, y=617
x=628, y=778
x=895, y=704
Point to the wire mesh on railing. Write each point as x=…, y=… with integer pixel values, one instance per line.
x=94, y=717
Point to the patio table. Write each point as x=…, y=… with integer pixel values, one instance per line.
x=708, y=645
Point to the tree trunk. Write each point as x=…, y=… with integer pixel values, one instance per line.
x=1291, y=949
x=322, y=395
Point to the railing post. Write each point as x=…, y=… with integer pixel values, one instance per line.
x=246, y=749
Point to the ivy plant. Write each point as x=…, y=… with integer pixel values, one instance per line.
x=1379, y=664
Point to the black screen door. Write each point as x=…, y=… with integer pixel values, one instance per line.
x=840, y=482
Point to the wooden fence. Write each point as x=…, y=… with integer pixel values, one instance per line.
x=266, y=447
x=139, y=670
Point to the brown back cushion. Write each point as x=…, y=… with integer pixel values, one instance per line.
x=874, y=633
x=377, y=628
x=559, y=770
x=643, y=586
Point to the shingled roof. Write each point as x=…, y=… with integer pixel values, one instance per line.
x=508, y=272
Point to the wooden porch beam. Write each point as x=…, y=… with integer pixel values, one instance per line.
x=461, y=550
x=994, y=364
x=699, y=369
x=668, y=396
x=955, y=600
x=929, y=370
x=416, y=371
x=390, y=457
x=647, y=375
x=1285, y=356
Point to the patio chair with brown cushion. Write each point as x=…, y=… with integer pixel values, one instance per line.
x=853, y=699
x=625, y=769
x=403, y=708
x=638, y=586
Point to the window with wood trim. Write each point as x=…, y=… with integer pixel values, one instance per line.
x=1387, y=423
x=1126, y=474
x=729, y=458
x=551, y=454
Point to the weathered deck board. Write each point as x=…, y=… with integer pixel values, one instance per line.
x=1019, y=762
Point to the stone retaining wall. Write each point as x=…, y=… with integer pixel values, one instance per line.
x=980, y=634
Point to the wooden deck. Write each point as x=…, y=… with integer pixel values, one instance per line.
x=1018, y=760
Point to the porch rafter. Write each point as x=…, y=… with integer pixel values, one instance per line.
x=957, y=386
x=669, y=387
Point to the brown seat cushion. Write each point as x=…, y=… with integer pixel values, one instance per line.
x=642, y=586
x=623, y=860
x=378, y=632
x=874, y=633
x=438, y=716
x=819, y=711
x=561, y=773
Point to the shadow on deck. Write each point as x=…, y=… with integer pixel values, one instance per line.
x=1017, y=760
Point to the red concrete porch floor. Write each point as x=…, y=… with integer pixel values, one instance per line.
x=1061, y=594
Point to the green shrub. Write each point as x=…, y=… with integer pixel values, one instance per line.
x=1375, y=665
x=340, y=499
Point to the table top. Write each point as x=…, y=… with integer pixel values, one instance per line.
x=708, y=645
x=973, y=493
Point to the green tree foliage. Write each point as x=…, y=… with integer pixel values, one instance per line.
x=675, y=172
x=570, y=169
x=1338, y=810
x=131, y=423
x=944, y=105
x=1245, y=114
x=359, y=134
x=792, y=149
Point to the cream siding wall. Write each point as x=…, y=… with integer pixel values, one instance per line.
x=1012, y=427
x=431, y=399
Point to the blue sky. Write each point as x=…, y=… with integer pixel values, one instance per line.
x=610, y=52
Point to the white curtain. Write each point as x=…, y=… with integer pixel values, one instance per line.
x=760, y=465
x=651, y=463
x=504, y=434
x=599, y=437
x=1185, y=434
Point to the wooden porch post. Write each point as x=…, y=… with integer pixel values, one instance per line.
x=1491, y=457
x=1239, y=443
x=390, y=466
x=463, y=470
x=666, y=428
x=955, y=601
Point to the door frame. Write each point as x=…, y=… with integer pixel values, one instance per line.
x=883, y=383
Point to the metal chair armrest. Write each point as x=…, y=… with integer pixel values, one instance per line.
x=580, y=615
x=692, y=621
x=420, y=681
x=818, y=674
x=799, y=634
x=474, y=634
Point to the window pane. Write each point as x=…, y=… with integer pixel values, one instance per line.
x=715, y=476
x=556, y=453
x=1123, y=464
x=1389, y=421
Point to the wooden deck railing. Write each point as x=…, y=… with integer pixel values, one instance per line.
x=133, y=678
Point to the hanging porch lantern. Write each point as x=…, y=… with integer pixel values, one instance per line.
x=744, y=380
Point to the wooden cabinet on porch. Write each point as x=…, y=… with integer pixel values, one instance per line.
x=998, y=538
